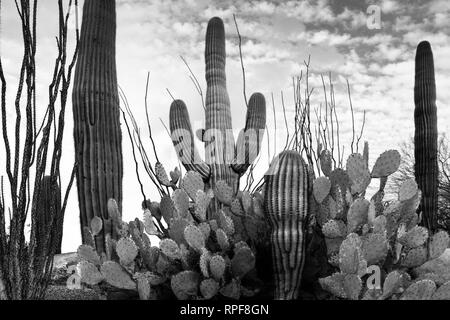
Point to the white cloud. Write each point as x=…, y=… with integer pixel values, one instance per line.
x=389, y=6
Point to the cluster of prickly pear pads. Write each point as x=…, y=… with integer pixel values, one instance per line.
x=197, y=258
x=360, y=233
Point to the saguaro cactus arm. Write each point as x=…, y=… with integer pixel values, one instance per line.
x=250, y=138
x=425, y=138
x=183, y=139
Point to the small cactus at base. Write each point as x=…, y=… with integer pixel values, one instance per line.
x=438, y=244
x=420, y=290
x=414, y=238
x=87, y=253
x=387, y=163
x=89, y=273
x=185, y=284
x=352, y=286
x=326, y=163
x=116, y=276
x=414, y=257
x=205, y=228
x=243, y=261
x=334, y=229
x=161, y=175
x=217, y=267
x=194, y=237
x=96, y=225
x=223, y=192
x=191, y=183
x=321, y=188
x=358, y=173
x=204, y=262
x=170, y=248
x=181, y=202
x=357, y=214
x=222, y=239
x=334, y=284
x=126, y=250
x=231, y=290
x=144, y=288
x=176, y=230
x=392, y=283
x=375, y=248
x=209, y=288
x=442, y=293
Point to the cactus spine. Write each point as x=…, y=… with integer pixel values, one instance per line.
x=223, y=160
x=96, y=116
x=425, y=138
x=286, y=204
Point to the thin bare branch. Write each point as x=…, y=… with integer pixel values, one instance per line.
x=242, y=62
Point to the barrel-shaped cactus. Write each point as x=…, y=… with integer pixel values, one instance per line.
x=286, y=205
x=223, y=160
x=97, y=134
x=425, y=138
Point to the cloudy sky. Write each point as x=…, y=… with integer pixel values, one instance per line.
x=277, y=37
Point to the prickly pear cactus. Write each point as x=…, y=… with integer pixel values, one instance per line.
x=362, y=234
x=197, y=257
x=206, y=257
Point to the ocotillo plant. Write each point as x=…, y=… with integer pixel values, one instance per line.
x=96, y=117
x=48, y=202
x=425, y=138
x=223, y=161
x=25, y=271
x=286, y=205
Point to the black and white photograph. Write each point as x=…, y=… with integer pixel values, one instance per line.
x=224, y=154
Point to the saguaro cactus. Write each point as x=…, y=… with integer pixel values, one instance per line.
x=223, y=161
x=96, y=116
x=425, y=138
x=286, y=205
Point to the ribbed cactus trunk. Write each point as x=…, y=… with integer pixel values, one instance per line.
x=219, y=138
x=97, y=131
x=286, y=204
x=425, y=139
x=47, y=203
x=223, y=161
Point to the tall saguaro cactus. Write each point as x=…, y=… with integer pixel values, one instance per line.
x=96, y=116
x=223, y=160
x=425, y=138
x=286, y=203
